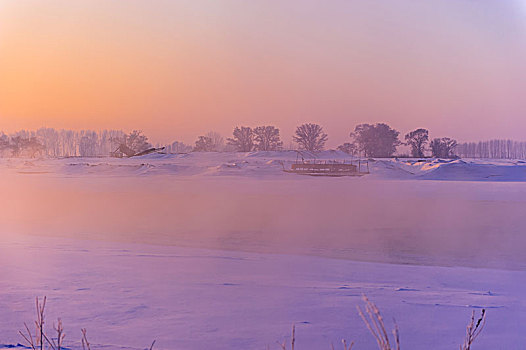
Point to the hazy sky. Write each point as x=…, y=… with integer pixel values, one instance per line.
x=176, y=69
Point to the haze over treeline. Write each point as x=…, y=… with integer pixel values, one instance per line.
x=366, y=140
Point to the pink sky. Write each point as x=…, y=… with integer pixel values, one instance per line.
x=177, y=69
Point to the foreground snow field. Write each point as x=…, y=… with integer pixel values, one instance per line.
x=126, y=295
x=225, y=251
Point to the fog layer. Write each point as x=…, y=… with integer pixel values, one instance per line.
x=416, y=222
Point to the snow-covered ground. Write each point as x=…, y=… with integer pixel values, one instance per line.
x=269, y=164
x=226, y=251
x=190, y=298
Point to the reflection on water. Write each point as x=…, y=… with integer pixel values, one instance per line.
x=416, y=222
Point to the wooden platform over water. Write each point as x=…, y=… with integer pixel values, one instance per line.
x=328, y=168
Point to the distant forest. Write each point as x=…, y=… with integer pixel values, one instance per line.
x=494, y=149
x=48, y=142
x=366, y=140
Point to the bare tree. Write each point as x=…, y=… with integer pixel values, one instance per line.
x=443, y=147
x=243, y=139
x=49, y=142
x=417, y=140
x=204, y=144
x=218, y=143
x=267, y=138
x=495, y=149
x=88, y=144
x=310, y=137
x=137, y=141
x=378, y=140
x=33, y=146
x=4, y=142
x=130, y=144
x=178, y=147
x=349, y=148
x=16, y=145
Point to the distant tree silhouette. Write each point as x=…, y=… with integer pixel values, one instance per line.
x=20, y=145
x=33, y=147
x=88, y=144
x=4, y=142
x=218, y=143
x=417, y=140
x=267, y=138
x=127, y=144
x=378, y=140
x=443, y=147
x=137, y=141
x=495, y=149
x=310, y=137
x=49, y=142
x=349, y=148
x=17, y=145
x=204, y=144
x=243, y=139
x=178, y=147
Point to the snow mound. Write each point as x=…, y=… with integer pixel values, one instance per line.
x=449, y=170
x=258, y=164
x=460, y=170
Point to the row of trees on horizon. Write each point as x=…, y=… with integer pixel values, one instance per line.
x=368, y=140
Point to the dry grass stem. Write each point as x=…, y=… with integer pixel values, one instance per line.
x=37, y=341
x=85, y=342
x=345, y=346
x=474, y=329
x=292, y=341
x=59, y=328
x=375, y=323
x=370, y=315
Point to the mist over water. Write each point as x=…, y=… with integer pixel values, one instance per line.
x=408, y=222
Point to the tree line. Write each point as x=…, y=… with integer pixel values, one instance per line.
x=368, y=140
x=496, y=149
x=48, y=142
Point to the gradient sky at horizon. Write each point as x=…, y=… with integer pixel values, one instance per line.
x=177, y=69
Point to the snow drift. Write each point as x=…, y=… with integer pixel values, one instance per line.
x=257, y=164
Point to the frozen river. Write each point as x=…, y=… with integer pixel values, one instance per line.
x=398, y=221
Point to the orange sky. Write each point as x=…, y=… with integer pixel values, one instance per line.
x=177, y=69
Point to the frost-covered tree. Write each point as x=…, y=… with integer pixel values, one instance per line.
x=69, y=143
x=267, y=138
x=130, y=144
x=443, y=147
x=310, y=137
x=17, y=145
x=137, y=141
x=218, y=142
x=33, y=147
x=243, y=139
x=204, y=144
x=49, y=142
x=25, y=146
x=417, y=140
x=178, y=147
x=4, y=142
x=88, y=144
x=378, y=140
